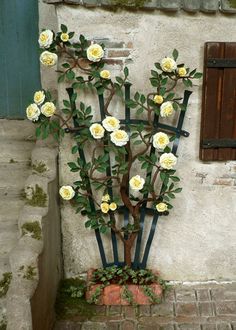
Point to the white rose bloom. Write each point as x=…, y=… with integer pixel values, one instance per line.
x=168, y=64
x=119, y=137
x=136, y=182
x=95, y=53
x=105, y=74
x=67, y=192
x=97, y=131
x=160, y=140
x=168, y=160
x=33, y=112
x=45, y=39
x=166, y=109
x=48, y=58
x=161, y=207
x=48, y=109
x=39, y=97
x=111, y=124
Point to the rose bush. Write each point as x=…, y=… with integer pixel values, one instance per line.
x=135, y=155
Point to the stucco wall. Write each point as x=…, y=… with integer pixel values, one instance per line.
x=197, y=240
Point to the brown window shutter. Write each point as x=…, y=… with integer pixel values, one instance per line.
x=218, y=124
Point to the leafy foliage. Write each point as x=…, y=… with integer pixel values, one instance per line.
x=116, y=151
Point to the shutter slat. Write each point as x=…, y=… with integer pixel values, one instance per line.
x=228, y=111
x=211, y=105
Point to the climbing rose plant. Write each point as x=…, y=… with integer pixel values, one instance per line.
x=128, y=146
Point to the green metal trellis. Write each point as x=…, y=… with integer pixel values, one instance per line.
x=139, y=259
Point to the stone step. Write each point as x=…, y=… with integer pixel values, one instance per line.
x=10, y=209
x=4, y=266
x=17, y=130
x=15, y=151
x=12, y=178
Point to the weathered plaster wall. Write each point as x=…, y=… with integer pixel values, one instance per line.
x=197, y=241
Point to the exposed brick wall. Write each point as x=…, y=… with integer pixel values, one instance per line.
x=208, y=6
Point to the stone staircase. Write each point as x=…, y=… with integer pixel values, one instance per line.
x=16, y=143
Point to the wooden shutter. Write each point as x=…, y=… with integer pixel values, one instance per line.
x=218, y=123
x=19, y=56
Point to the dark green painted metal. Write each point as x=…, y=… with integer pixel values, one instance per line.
x=82, y=156
x=19, y=57
x=138, y=261
x=110, y=192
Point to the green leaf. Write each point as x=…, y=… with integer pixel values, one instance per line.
x=61, y=78
x=74, y=149
x=158, y=66
x=136, y=96
x=139, y=111
x=175, y=178
x=126, y=72
x=66, y=103
x=64, y=28
x=175, y=54
x=119, y=80
x=142, y=99
x=66, y=65
x=70, y=75
x=178, y=190
x=71, y=34
x=137, y=142
x=197, y=75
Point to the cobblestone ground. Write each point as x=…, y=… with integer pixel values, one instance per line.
x=205, y=307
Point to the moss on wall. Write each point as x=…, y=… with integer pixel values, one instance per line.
x=39, y=197
x=32, y=228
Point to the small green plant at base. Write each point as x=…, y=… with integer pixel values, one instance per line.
x=124, y=276
x=32, y=229
x=39, y=197
x=39, y=167
x=5, y=283
x=68, y=303
x=76, y=287
x=3, y=323
x=151, y=295
x=128, y=295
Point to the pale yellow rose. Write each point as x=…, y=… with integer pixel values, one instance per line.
x=161, y=207
x=104, y=207
x=39, y=97
x=45, y=39
x=111, y=124
x=160, y=140
x=105, y=74
x=182, y=72
x=67, y=192
x=136, y=182
x=158, y=99
x=33, y=112
x=48, y=109
x=113, y=206
x=168, y=64
x=119, y=137
x=106, y=198
x=166, y=109
x=64, y=37
x=48, y=58
x=97, y=131
x=95, y=53
x=168, y=160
